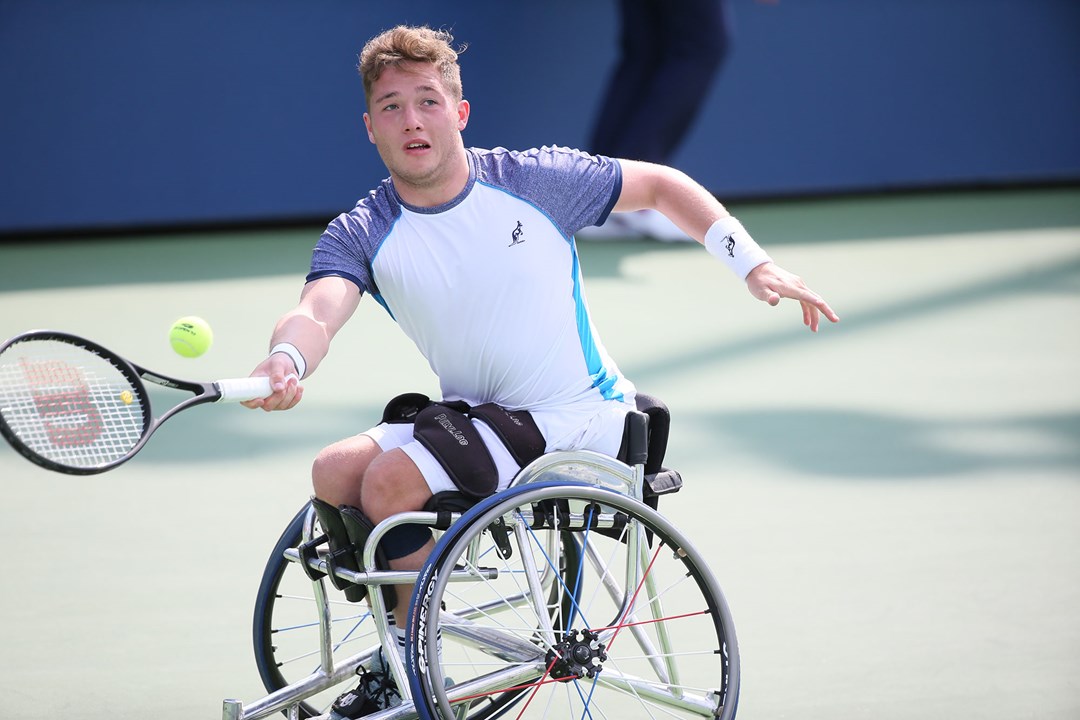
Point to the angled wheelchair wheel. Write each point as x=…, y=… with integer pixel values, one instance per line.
x=285, y=630
x=555, y=601
x=286, y=634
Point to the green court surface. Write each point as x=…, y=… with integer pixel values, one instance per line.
x=892, y=505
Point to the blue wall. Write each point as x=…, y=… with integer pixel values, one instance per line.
x=132, y=113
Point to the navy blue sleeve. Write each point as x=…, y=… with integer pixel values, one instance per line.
x=572, y=187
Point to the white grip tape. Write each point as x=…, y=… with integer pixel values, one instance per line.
x=243, y=389
x=728, y=241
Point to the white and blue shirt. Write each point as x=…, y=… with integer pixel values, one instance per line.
x=488, y=285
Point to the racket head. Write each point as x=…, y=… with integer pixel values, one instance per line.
x=69, y=404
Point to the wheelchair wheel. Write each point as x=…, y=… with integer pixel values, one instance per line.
x=286, y=623
x=633, y=624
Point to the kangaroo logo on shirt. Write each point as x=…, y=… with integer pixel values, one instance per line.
x=516, y=235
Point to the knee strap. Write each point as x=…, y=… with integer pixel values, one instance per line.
x=454, y=441
x=516, y=429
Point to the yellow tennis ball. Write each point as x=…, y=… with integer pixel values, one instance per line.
x=191, y=336
x=127, y=397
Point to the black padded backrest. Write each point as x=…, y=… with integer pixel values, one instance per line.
x=659, y=425
x=658, y=479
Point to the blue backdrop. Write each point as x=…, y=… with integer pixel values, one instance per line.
x=134, y=113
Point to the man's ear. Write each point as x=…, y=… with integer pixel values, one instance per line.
x=463, y=114
x=367, y=124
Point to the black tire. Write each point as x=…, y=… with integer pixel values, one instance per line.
x=285, y=627
x=263, y=630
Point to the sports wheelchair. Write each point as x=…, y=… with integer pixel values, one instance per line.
x=566, y=595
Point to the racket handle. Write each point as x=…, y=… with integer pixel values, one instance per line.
x=249, y=388
x=242, y=389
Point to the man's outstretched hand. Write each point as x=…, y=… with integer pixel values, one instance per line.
x=770, y=282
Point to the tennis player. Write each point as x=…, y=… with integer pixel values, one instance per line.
x=472, y=252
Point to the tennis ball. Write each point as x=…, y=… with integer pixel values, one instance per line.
x=191, y=336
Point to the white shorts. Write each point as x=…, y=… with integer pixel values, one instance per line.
x=596, y=427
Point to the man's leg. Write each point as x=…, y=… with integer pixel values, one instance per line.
x=338, y=471
x=358, y=472
x=393, y=484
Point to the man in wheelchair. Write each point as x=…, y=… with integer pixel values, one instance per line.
x=472, y=253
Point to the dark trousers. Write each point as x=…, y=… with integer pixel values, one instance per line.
x=671, y=51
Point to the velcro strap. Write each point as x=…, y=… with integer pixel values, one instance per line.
x=516, y=429
x=445, y=505
x=454, y=441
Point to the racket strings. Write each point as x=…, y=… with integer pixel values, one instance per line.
x=69, y=405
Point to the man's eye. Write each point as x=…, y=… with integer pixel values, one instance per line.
x=391, y=106
x=429, y=101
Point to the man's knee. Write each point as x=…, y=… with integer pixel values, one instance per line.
x=392, y=483
x=338, y=470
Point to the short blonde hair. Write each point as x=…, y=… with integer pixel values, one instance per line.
x=416, y=44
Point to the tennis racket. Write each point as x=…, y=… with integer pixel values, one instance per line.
x=72, y=406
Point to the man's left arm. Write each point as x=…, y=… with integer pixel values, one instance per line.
x=701, y=216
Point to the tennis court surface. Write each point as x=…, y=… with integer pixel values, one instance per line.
x=892, y=506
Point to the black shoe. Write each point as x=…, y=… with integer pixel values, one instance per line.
x=375, y=691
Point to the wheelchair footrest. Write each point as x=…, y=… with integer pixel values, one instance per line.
x=358, y=529
x=342, y=552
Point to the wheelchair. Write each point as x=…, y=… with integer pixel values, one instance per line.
x=567, y=595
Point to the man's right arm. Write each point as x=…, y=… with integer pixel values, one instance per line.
x=301, y=339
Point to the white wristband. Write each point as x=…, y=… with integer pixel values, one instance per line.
x=728, y=240
x=294, y=353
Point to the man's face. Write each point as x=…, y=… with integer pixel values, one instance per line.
x=416, y=126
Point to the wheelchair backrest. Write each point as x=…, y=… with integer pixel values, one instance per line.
x=659, y=424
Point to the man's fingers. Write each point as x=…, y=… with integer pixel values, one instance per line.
x=288, y=396
x=813, y=305
x=814, y=317
x=769, y=283
x=287, y=392
x=823, y=306
x=811, y=299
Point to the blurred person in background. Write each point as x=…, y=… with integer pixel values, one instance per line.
x=669, y=55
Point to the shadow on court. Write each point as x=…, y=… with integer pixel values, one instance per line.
x=868, y=446
x=1058, y=277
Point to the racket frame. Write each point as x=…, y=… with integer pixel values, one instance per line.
x=136, y=374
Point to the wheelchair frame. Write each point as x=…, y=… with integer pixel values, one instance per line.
x=615, y=492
